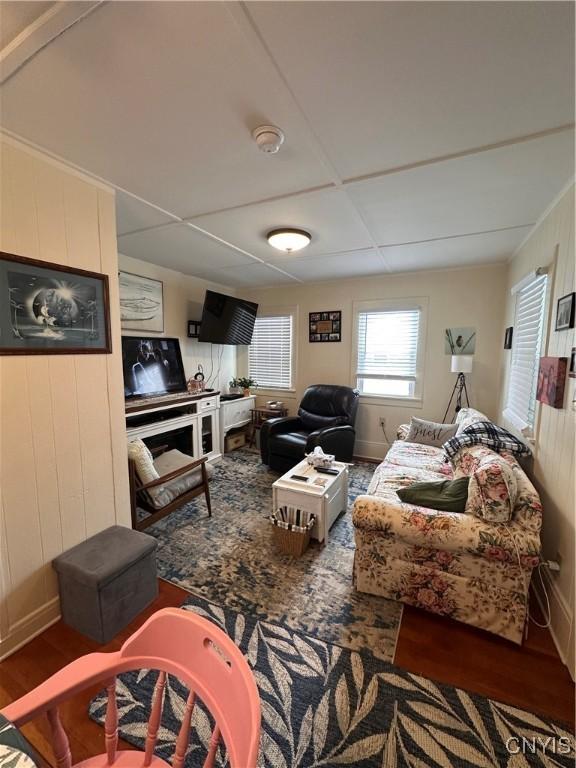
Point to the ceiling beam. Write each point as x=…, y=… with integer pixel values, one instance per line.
x=41, y=32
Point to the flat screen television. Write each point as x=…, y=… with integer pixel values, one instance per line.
x=227, y=320
x=152, y=366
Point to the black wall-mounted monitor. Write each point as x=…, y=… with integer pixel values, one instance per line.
x=152, y=366
x=227, y=320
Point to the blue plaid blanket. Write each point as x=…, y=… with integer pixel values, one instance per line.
x=488, y=434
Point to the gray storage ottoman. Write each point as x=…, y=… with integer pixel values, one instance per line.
x=106, y=581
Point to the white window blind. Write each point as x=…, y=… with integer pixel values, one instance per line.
x=526, y=350
x=270, y=353
x=388, y=352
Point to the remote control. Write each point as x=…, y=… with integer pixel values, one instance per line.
x=327, y=471
x=299, y=477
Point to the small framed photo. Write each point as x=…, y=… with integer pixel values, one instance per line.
x=325, y=326
x=508, y=337
x=565, y=312
x=50, y=309
x=194, y=329
x=572, y=371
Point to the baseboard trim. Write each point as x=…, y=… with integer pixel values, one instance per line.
x=560, y=618
x=29, y=627
x=364, y=449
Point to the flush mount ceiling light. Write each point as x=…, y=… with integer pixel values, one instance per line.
x=288, y=239
x=269, y=138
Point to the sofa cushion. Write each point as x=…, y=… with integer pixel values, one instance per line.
x=430, y=432
x=423, y=457
x=168, y=462
x=468, y=416
x=492, y=490
x=468, y=459
x=446, y=495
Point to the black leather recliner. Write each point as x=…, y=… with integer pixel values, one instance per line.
x=326, y=418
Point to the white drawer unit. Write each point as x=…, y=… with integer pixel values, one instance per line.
x=210, y=402
x=235, y=414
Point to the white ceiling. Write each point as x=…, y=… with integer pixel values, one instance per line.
x=418, y=135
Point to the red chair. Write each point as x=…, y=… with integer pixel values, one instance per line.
x=176, y=642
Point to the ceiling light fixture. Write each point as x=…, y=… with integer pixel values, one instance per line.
x=269, y=138
x=288, y=239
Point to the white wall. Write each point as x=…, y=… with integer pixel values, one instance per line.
x=552, y=242
x=183, y=300
x=465, y=297
x=63, y=473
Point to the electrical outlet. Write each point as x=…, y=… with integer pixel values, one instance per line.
x=382, y=422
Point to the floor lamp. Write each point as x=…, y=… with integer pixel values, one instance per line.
x=460, y=364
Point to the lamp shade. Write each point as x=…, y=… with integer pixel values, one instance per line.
x=462, y=363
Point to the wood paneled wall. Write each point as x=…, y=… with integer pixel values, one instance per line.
x=63, y=470
x=552, y=243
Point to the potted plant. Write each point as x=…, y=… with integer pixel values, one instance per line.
x=245, y=383
x=234, y=386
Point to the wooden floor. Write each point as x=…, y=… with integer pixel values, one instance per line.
x=531, y=677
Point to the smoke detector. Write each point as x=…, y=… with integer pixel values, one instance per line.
x=269, y=138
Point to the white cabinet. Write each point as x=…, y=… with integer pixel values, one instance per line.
x=192, y=424
x=235, y=414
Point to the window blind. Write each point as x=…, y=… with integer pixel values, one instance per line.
x=526, y=350
x=388, y=349
x=270, y=353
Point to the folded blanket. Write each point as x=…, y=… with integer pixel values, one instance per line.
x=488, y=434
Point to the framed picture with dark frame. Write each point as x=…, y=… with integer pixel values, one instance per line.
x=565, y=312
x=325, y=326
x=51, y=309
x=509, y=332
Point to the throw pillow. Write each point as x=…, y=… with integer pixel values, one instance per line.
x=139, y=453
x=492, y=490
x=446, y=495
x=430, y=432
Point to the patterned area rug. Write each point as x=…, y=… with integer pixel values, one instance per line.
x=323, y=705
x=231, y=560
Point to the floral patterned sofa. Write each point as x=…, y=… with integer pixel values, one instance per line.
x=453, y=564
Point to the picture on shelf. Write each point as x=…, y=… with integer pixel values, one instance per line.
x=551, y=381
x=48, y=308
x=565, y=312
x=141, y=303
x=325, y=326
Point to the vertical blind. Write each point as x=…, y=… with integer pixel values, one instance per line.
x=526, y=349
x=270, y=353
x=388, y=344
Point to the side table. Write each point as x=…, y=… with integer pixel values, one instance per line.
x=259, y=416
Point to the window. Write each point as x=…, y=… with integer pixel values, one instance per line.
x=526, y=349
x=270, y=353
x=388, y=350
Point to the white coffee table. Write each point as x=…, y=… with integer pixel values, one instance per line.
x=325, y=501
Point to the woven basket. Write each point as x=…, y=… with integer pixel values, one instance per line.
x=290, y=542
